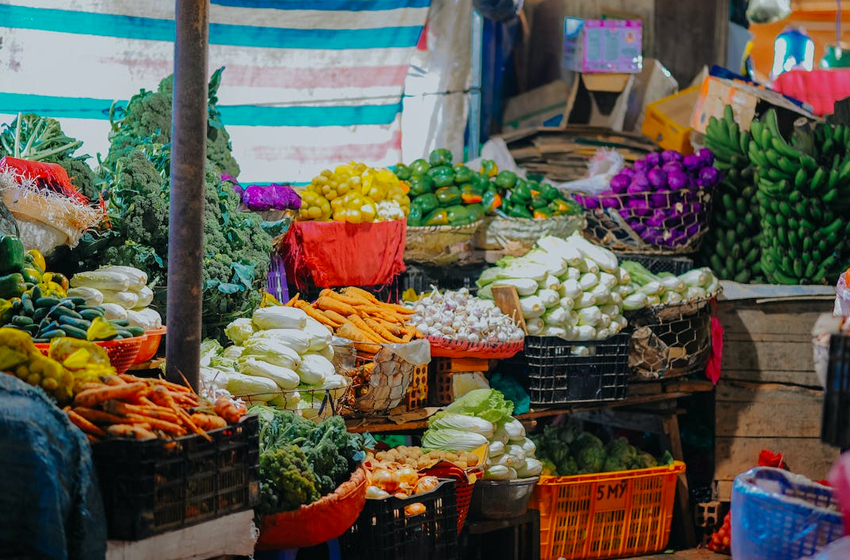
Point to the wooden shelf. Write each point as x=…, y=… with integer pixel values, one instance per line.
x=641, y=392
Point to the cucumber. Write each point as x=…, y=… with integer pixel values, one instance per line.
x=74, y=332
x=36, y=293
x=21, y=320
x=47, y=302
x=90, y=314
x=55, y=333
x=124, y=333
x=41, y=340
x=31, y=329
x=61, y=311
x=26, y=304
x=48, y=325
x=75, y=300
x=17, y=306
x=76, y=323
x=40, y=314
x=136, y=331
x=120, y=323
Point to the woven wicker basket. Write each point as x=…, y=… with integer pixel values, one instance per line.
x=516, y=236
x=440, y=245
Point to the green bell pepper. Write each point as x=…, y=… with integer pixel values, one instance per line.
x=521, y=193
x=539, y=201
x=489, y=168
x=491, y=200
x=458, y=215
x=414, y=218
x=542, y=213
x=443, y=176
x=550, y=192
x=506, y=179
x=448, y=196
x=476, y=212
x=12, y=285
x=440, y=156
x=471, y=194
x=480, y=180
x=419, y=167
x=402, y=172
x=427, y=203
x=11, y=254
x=438, y=217
x=419, y=185
x=463, y=174
x=519, y=211
x=563, y=207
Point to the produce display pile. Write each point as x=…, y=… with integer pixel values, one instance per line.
x=445, y=195
x=301, y=461
x=356, y=194
x=279, y=358
x=357, y=315
x=804, y=198
x=566, y=450
x=732, y=244
x=662, y=198
x=568, y=288
x=646, y=289
x=458, y=315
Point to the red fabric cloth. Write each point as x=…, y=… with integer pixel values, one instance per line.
x=712, y=371
x=768, y=458
x=335, y=254
x=820, y=88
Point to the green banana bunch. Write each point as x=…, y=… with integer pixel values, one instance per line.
x=804, y=198
x=731, y=247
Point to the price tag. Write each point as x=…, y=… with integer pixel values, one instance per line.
x=611, y=495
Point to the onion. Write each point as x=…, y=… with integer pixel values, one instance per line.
x=407, y=475
x=692, y=162
x=671, y=156
x=660, y=198
x=709, y=176
x=641, y=166
x=653, y=160
x=628, y=172
x=639, y=187
x=639, y=207
x=657, y=177
x=677, y=181
x=656, y=220
x=707, y=157
x=384, y=479
x=672, y=166
x=610, y=201
x=589, y=202
x=620, y=182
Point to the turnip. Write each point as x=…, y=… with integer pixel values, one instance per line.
x=671, y=156
x=657, y=178
x=653, y=160
x=692, y=162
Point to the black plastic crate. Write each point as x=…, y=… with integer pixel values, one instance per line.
x=422, y=277
x=556, y=376
x=384, y=532
x=835, y=426
x=153, y=486
x=660, y=263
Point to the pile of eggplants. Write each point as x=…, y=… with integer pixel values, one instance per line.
x=662, y=197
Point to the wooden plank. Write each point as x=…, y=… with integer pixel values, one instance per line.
x=767, y=410
x=507, y=300
x=806, y=378
x=686, y=36
x=773, y=356
x=683, y=501
x=783, y=317
x=806, y=456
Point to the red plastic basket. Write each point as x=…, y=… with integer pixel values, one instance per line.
x=122, y=353
x=463, y=488
x=448, y=348
x=150, y=345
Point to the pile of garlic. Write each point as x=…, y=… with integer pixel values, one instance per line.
x=458, y=315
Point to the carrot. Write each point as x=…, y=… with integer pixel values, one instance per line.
x=350, y=299
x=160, y=413
x=320, y=317
x=332, y=304
x=83, y=424
x=368, y=310
x=167, y=427
x=184, y=400
x=162, y=397
x=208, y=421
x=349, y=331
x=367, y=347
x=362, y=293
x=98, y=416
x=90, y=385
x=114, y=380
x=390, y=326
x=293, y=301
x=125, y=430
x=400, y=309
x=361, y=324
x=92, y=439
x=379, y=328
x=174, y=386
x=228, y=410
x=94, y=396
x=335, y=317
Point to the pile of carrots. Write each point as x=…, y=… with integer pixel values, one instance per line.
x=357, y=315
x=125, y=406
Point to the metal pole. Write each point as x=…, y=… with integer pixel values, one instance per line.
x=476, y=63
x=186, y=216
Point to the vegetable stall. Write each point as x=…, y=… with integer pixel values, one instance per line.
x=534, y=376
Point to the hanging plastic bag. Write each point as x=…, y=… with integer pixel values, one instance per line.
x=842, y=296
x=768, y=11
x=602, y=167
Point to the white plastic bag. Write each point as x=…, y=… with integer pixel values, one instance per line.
x=768, y=11
x=601, y=169
x=842, y=296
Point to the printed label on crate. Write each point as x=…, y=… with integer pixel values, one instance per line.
x=611, y=495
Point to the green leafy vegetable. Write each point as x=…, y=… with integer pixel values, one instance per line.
x=487, y=404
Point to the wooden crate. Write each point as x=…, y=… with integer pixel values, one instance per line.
x=769, y=396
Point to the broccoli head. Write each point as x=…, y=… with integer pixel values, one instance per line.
x=81, y=176
x=286, y=480
x=591, y=459
x=643, y=460
x=568, y=467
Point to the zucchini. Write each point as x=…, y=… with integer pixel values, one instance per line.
x=41, y=340
x=74, y=332
x=17, y=306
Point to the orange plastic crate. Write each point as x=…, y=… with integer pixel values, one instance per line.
x=610, y=515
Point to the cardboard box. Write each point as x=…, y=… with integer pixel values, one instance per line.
x=607, y=45
x=668, y=121
x=747, y=101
